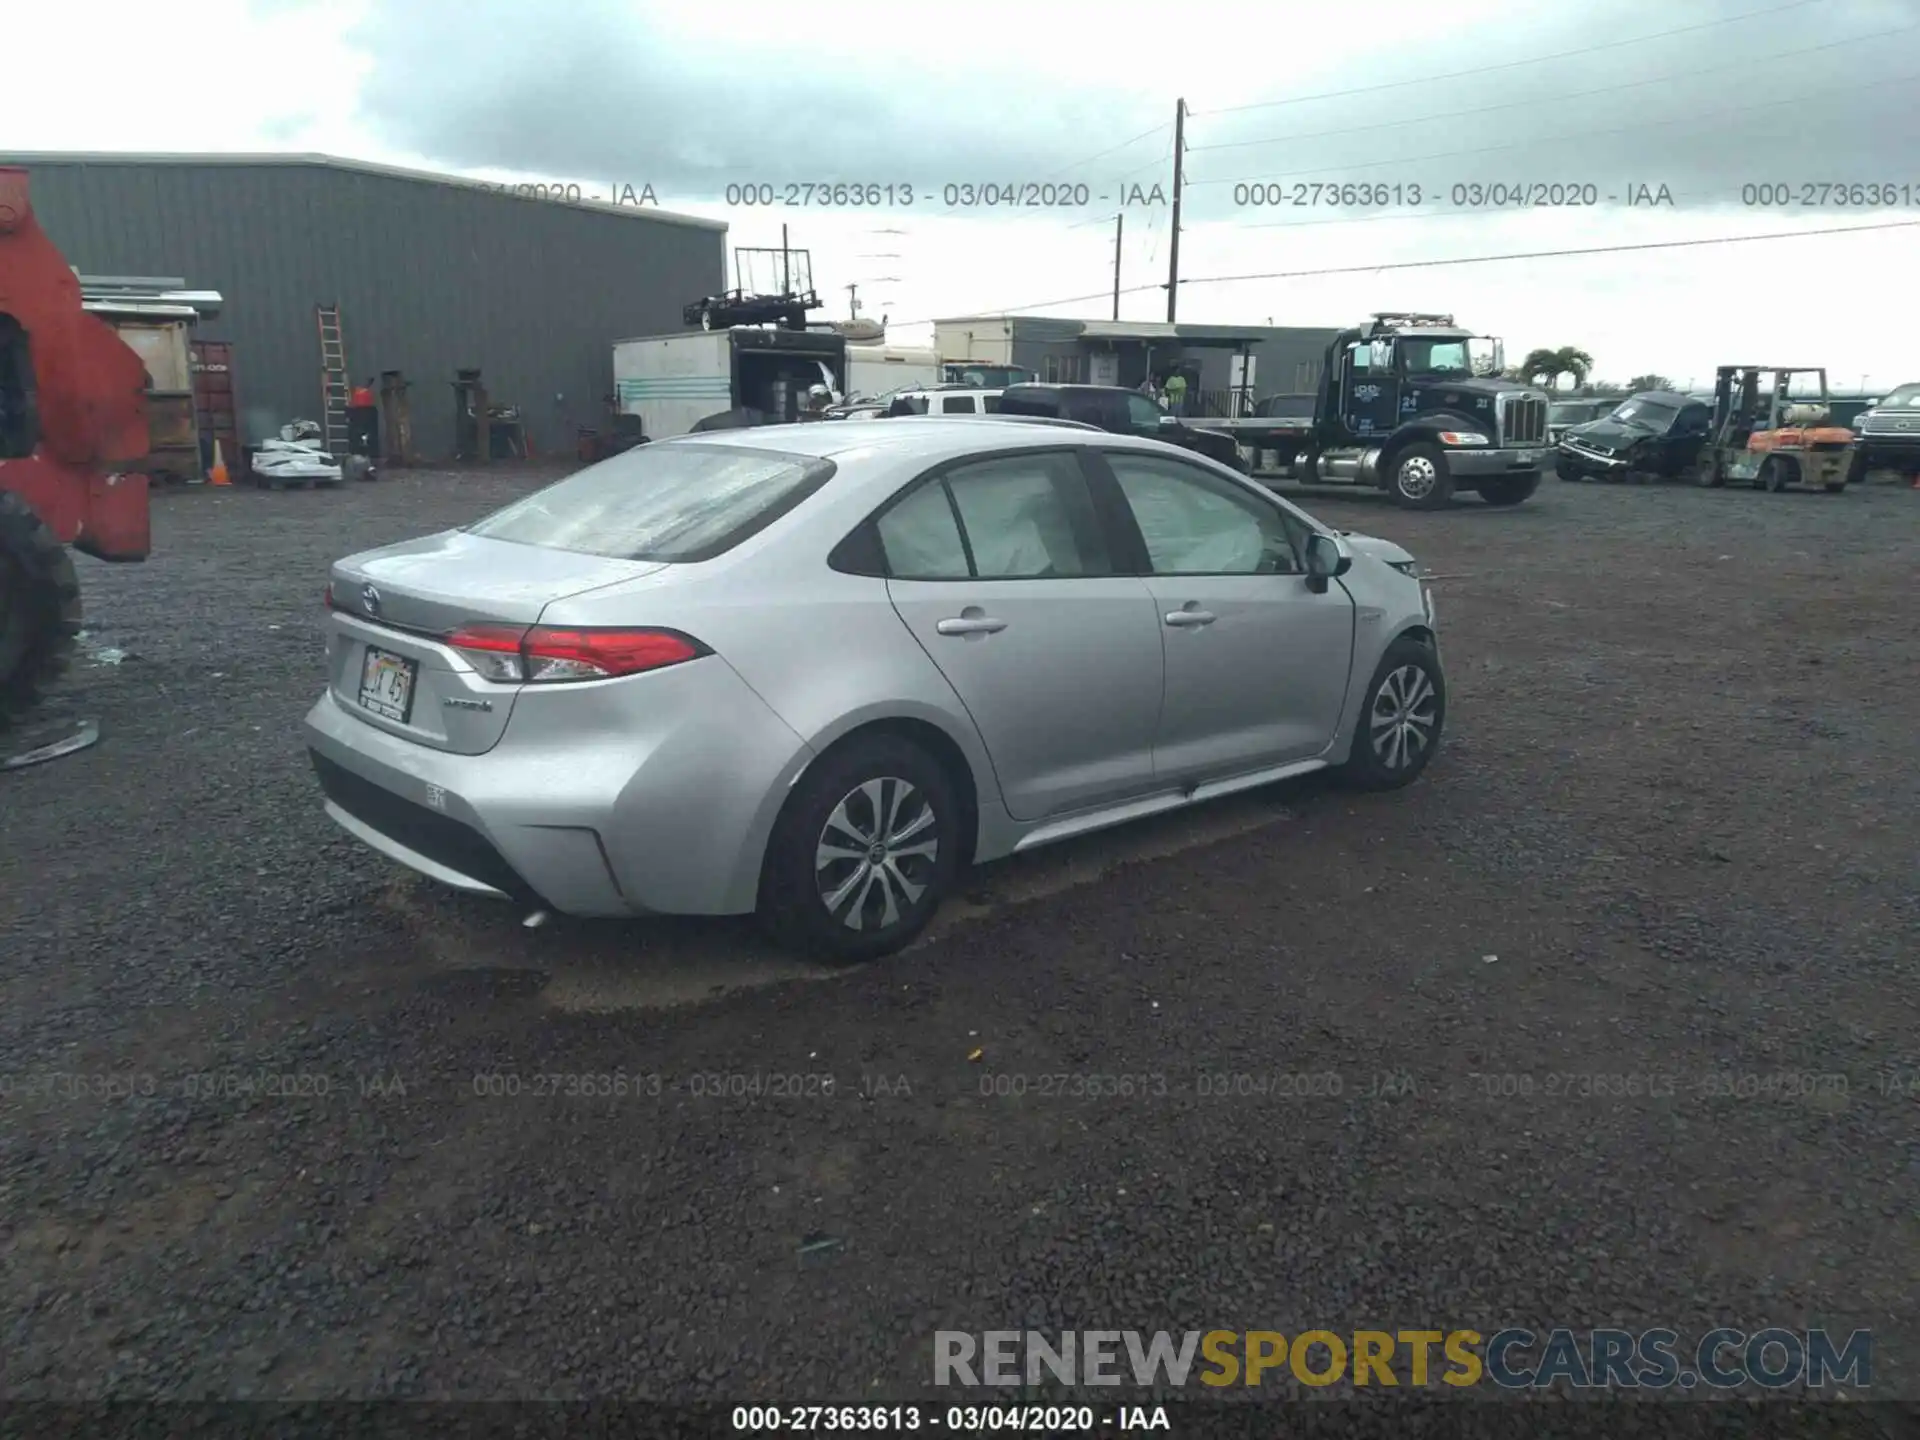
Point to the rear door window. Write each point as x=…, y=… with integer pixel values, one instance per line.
x=920, y=537
x=1115, y=413
x=957, y=405
x=1021, y=516
x=1030, y=404
x=1028, y=517
x=672, y=502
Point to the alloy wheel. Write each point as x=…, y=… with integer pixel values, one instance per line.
x=876, y=854
x=1406, y=711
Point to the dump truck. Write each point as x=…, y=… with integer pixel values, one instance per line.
x=73, y=441
x=1762, y=436
x=1414, y=405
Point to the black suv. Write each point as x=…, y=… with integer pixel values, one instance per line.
x=1119, y=412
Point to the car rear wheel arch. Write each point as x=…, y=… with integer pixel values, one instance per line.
x=884, y=791
x=941, y=747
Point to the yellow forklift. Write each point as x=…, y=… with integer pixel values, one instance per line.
x=1763, y=436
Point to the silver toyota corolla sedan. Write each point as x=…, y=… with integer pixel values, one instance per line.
x=813, y=671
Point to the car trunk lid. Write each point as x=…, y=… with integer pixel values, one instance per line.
x=388, y=661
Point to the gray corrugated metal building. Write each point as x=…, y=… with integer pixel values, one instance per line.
x=431, y=273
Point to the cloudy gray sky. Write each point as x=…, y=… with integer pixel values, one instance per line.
x=694, y=98
x=1702, y=99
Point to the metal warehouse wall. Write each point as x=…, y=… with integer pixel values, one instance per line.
x=430, y=277
x=1290, y=362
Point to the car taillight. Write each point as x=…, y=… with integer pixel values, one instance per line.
x=547, y=653
x=328, y=595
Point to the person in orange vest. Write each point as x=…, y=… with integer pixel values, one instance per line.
x=363, y=422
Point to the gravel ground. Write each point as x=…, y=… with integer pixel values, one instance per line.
x=1671, y=835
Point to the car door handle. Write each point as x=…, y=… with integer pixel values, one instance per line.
x=1189, y=618
x=971, y=625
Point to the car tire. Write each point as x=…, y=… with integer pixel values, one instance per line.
x=810, y=901
x=1405, y=701
x=1418, y=478
x=1509, y=489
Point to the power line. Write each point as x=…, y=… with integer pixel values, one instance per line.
x=1555, y=254
x=1558, y=99
x=1460, y=260
x=1539, y=140
x=1463, y=212
x=1514, y=64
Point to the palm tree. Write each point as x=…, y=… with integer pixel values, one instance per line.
x=1541, y=367
x=1650, y=382
x=1545, y=367
x=1574, y=362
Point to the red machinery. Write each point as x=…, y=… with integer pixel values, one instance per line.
x=73, y=432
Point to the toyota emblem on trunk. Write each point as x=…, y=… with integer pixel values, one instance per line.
x=369, y=599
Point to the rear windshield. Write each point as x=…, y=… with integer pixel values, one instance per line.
x=682, y=503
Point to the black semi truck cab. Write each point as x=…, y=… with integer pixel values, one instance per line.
x=1416, y=406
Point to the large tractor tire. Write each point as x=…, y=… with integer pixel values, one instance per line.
x=39, y=607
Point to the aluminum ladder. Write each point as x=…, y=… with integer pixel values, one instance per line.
x=334, y=391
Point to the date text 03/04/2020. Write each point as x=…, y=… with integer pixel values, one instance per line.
x=952, y=195
x=1461, y=195
x=953, y=1419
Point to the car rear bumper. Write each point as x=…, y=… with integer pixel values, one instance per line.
x=653, y=795
x=1464, y=464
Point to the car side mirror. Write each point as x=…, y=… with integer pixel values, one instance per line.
x=1327, y=558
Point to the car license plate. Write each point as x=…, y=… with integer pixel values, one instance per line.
x=386, y=684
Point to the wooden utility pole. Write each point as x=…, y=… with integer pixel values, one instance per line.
x=1173, y=249
x=1119, y=229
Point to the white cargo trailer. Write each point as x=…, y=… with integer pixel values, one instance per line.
x=672, y=382
x=876, y=370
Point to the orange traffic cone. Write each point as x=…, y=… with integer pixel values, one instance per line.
x=219, y=475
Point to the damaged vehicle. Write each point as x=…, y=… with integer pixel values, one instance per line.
x=1654, y=434
x=814, y=672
